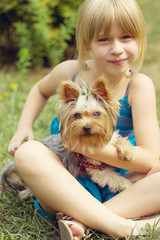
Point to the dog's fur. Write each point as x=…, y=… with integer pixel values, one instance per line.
x=87, y=118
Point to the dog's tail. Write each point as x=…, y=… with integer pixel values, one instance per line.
x=12, y=182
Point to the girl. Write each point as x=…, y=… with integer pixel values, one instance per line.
x=113, y=32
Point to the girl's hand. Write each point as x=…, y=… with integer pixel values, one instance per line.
x=20, y=136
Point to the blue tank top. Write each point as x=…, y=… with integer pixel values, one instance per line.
x=124, y=120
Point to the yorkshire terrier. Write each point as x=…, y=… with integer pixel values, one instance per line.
x=87, y=119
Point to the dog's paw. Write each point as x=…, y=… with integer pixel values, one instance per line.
x=120, y=185
x=124, y=148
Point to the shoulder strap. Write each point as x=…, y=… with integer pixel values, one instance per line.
x=85, y=67
x=74, y=76
x=128, y=86
x=127, y=89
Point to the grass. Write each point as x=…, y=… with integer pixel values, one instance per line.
x=20, y=220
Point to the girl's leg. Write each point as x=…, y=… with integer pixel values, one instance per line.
x=141, y=199
x=56, y=187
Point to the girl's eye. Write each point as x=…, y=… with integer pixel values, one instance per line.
x=103, y=39
x=77, y=116
x=96, y=114
x=126, y=37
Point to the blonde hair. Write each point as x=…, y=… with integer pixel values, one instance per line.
x=95, y=13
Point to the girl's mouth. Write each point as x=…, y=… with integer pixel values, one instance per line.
x=117, y=62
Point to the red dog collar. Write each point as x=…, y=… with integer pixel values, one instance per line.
x=83, y=164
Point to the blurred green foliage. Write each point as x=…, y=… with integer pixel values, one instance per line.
x=41, y=32
x=37, y=32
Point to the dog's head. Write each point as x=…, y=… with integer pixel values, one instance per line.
x=87, y=117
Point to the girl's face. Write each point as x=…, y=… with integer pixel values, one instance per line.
x=114, y=54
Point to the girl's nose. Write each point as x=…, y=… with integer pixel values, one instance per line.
x=116, y=47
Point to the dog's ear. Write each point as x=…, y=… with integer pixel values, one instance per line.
x=68, y=92
x=101, y=91
x=100, y=88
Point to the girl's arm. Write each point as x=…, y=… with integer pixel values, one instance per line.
x=147, y=150
x=36, y=101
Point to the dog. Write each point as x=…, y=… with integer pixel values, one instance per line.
x=87, y=118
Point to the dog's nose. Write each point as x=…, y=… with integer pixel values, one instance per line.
x=87, y=129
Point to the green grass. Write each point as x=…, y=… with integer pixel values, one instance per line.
x=19, y=220
x=13, y=93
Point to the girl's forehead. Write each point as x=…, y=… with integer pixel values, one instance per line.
x=113, y=28
x=108, y=29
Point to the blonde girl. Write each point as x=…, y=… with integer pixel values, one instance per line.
x=110, y=41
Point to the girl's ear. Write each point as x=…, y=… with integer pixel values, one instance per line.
x=88, y=47
x=68, y=92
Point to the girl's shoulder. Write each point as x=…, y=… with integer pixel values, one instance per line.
x=141, y=82
x=141, y=87
x=63, y=71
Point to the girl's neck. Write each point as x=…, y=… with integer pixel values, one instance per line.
x=119, y=84
x=116, y=82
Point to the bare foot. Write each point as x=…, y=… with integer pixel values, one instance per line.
x=77, y=229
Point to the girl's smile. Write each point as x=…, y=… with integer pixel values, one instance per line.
x=118, y=62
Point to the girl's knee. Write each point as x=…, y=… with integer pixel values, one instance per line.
x=25, y=156
x=30, y=156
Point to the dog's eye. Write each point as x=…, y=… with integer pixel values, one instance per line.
x=96, y=114
x=77, y=116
